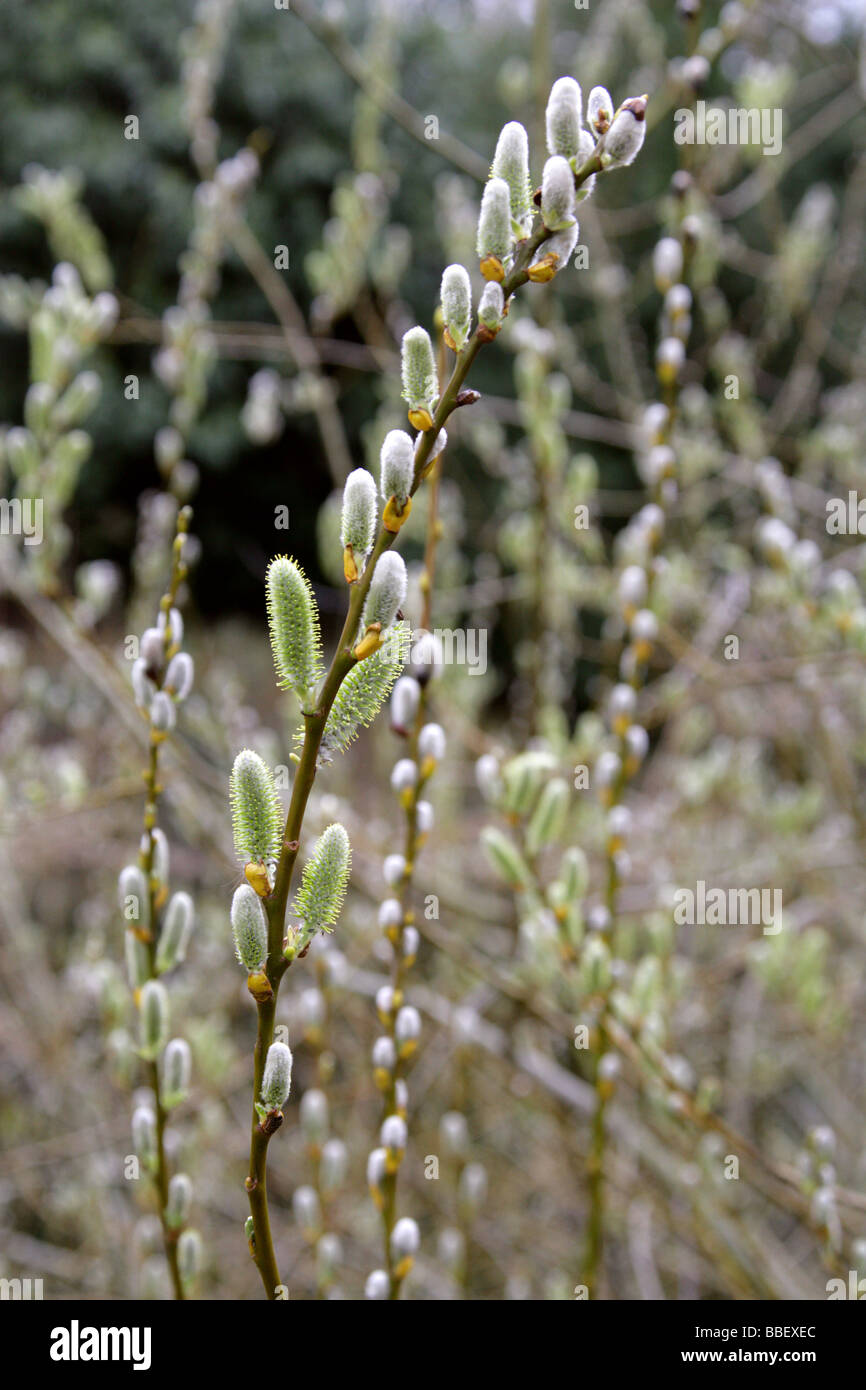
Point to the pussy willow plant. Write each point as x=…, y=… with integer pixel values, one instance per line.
x=400, y=1021
x=159, y=927
x=47, y=453
x=515, y=245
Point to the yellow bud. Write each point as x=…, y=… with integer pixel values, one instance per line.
x=377, y=1197
x=350, y=569
x=449, y=341
x=545, y=269
x=256, y=876
x=492, y=268
x=428, y=767
x=382, y=1078
x=370, y=642
x=259, y=987
x=407, y=1048
x=402, y=1269
x=421, y=419
x=392, y=517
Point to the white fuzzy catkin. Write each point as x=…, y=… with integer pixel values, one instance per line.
x=162, y=713
x=456, y=296
x=585, y=149
x=404, y=775
x=277, y=1079
x=378, y=1286
x=397, y=465
x=418, y=370
x=599, y=109
x=667, y=262
x=434, y=449
x=387, y=590
x=358, y=517
x=393, y=869
x=393, y=1135
x=511, y=163
x=561, y=245
x=249, y=927
x=179, y=676
x=491, y=306
x=133, y=894
x=494, y=221
x=431, y=742
x=404, y=703
x=626, y=135
x=405, y=1238
x=557, y=194
x=177, y=926
x=563, y=117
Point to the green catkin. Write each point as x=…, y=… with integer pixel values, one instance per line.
x=144, y=1135
x=177, y=928
x=511, y=163
x=189, y=1256
x=523, y=777
x=362, y=693
x=563, y=118
x=153, y=1019
x=494, y=221
x=505, y=857
x=137, y=961
x=574, y=873
x=456, y=296
x=176, y=1072
x=257, y=817
x=277, y=1078
x=177, y=1208
x=358, y=515
x=546, y=822
x=418, y=369
x=293, y=618
x=249, y=927
x=324, y=881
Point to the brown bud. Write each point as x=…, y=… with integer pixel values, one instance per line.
x=637, y=106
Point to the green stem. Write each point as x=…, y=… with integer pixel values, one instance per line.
x=314, y=726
